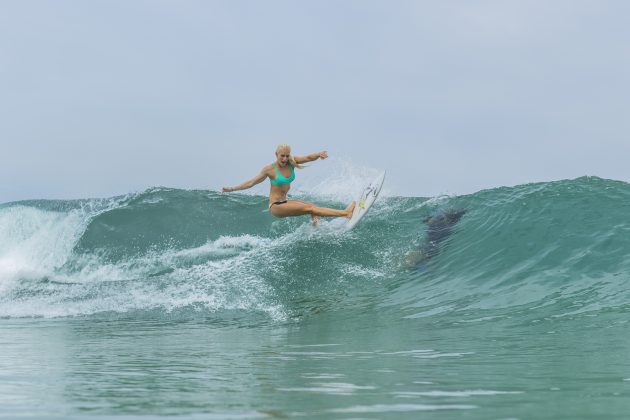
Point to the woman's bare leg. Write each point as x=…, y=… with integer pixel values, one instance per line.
x=300, y=208
x=314, y=218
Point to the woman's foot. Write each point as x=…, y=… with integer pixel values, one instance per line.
x=350, y=209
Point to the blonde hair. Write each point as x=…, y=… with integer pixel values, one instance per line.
x=291, y=158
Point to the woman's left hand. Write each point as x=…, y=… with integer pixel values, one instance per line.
x=323, y=155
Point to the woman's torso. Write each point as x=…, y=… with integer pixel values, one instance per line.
x=278, y=192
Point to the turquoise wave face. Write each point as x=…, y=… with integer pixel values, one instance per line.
x=561, y=247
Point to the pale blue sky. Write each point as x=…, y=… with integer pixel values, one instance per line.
x=99, y=98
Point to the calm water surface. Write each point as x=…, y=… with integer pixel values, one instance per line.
x=325, y=367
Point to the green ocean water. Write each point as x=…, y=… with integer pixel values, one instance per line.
x=193, y=304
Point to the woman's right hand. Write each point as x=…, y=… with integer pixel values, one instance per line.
x=228, y=189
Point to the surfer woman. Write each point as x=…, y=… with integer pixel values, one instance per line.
x=281, y=173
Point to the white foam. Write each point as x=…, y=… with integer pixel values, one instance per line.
x=338, y=388
x=225, y=245
x=232, y=282
x=393, y=408
x=471, y=393
x=34, y=242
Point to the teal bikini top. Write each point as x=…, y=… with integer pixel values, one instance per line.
x=281, y=179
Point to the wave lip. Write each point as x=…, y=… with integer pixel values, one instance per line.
x=35, y=242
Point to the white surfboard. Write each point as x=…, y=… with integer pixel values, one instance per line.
x=368, y=196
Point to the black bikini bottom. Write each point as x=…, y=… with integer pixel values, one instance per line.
x=278, y=202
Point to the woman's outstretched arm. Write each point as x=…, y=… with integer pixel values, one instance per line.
x=248, y=184
x=311, y=157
